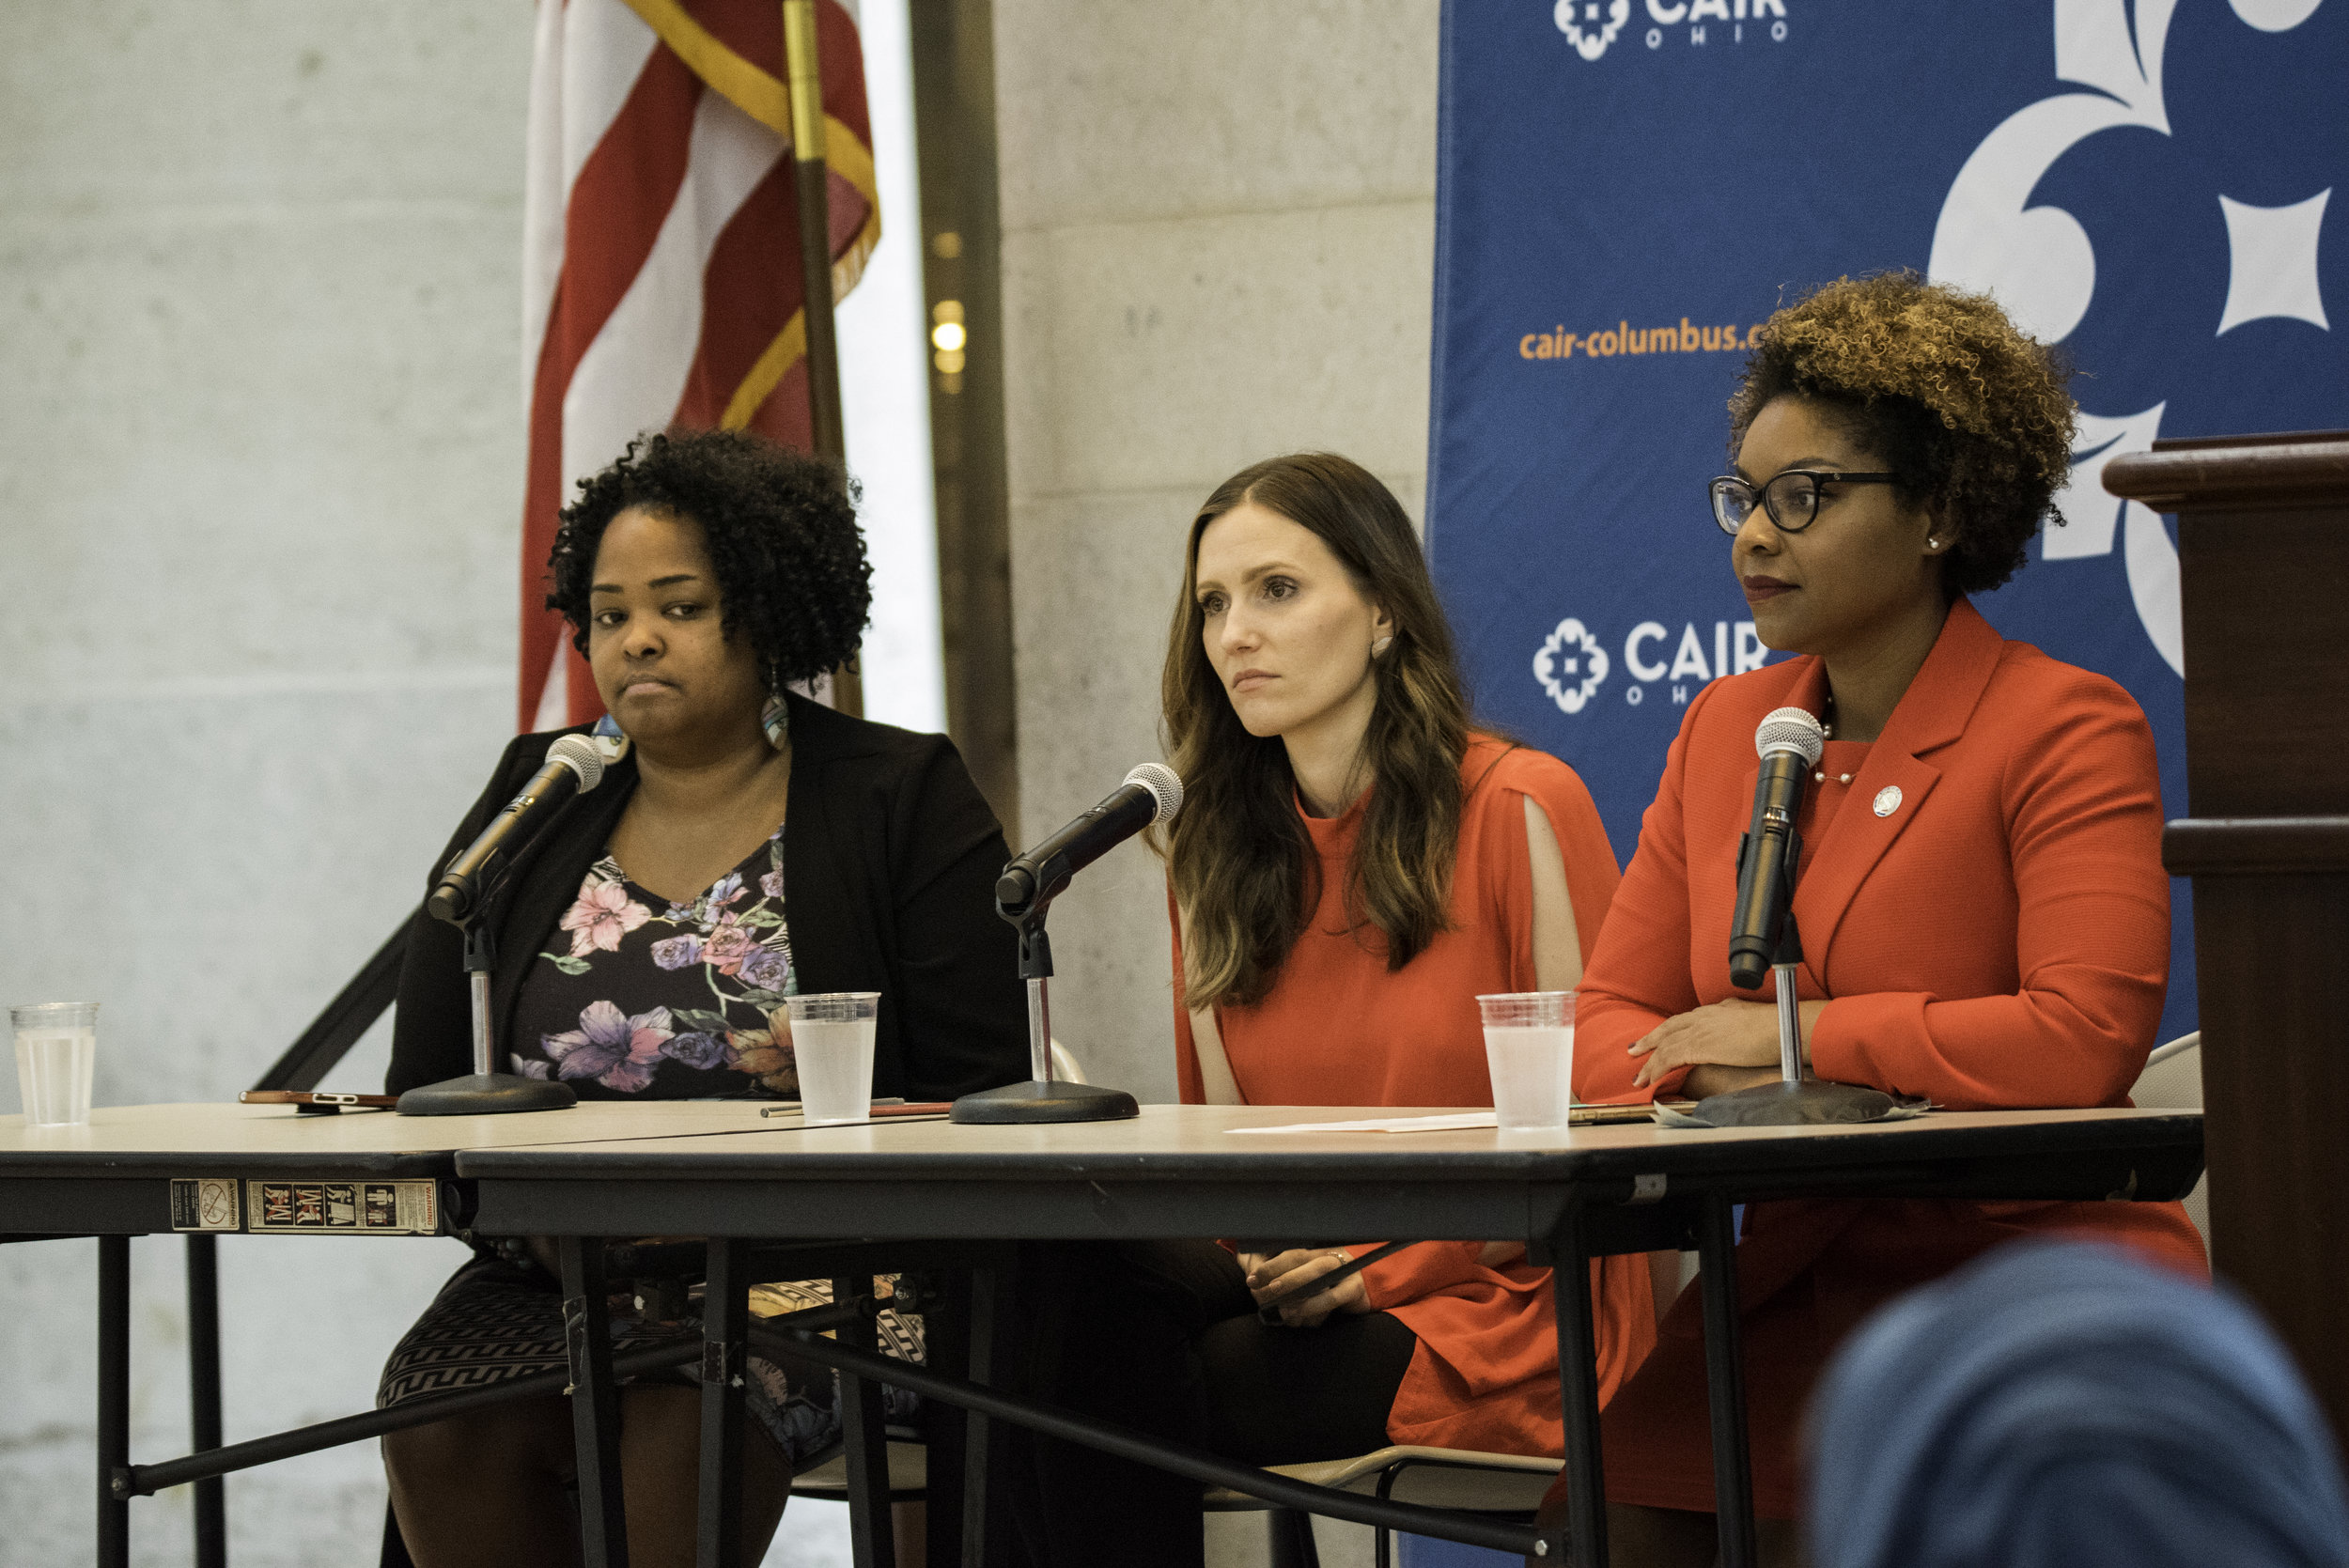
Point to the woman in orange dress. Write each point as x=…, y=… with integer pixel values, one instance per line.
x=1985, y=916
x=1352, y=867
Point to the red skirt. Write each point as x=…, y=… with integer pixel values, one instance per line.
x=1808, y=1273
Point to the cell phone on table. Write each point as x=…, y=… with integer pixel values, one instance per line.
x=317, y=1102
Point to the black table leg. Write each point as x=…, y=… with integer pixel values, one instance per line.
x=872, y=1541
x=595, y=1402
x=1290, y=1539
x=726, y=1322
x=113, y=1398
x=1725, y=1381
x=946, y=1336
x=990, y=1317
x=1578, y=1384
x=212, y=1517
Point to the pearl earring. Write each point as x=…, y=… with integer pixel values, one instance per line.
x=1381, y=646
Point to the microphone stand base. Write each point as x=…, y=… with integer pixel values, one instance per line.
x=1813, y=1102
x=486, y=1094
x=1016, y=1103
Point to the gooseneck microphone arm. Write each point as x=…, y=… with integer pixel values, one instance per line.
x=481, y=961
x=1791, y=1068
x=1763, y=935
x=1763, y=932
x=1023, y=896
x=573, y=765
x=1790, y=742
x=1150, y=793
x=462, y=897
x=1036, y=970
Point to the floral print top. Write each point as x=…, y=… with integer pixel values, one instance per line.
x=662, y=1000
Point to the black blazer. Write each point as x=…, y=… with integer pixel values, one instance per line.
x=889, y=856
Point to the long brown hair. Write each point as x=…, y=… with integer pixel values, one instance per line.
x=1245, y=873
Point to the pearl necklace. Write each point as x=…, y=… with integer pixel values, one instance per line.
x=1827, y=730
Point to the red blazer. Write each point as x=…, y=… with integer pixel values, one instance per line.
x=1995, y=935
x=1999, y=938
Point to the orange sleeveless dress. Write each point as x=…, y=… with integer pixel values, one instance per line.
x=1338, y=1029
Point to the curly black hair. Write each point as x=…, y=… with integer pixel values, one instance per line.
x=780, y=527
x=1967, y=408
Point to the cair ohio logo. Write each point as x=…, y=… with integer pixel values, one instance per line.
x=1592, y=26
x=1575, y=661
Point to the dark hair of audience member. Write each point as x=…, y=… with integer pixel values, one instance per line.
x=2062, y=1405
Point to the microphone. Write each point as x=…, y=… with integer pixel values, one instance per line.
x=1152, y=793
x=574, y=765
x=1790, y=742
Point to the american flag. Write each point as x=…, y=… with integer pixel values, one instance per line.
x=660, y=262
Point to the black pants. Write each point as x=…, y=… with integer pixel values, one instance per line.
x=1163, y=1338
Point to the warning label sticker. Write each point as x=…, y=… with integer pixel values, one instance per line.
x=342, y=1208
x=204, y=1202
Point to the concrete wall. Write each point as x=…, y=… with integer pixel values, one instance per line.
x=258, y=316
x=1218, y=232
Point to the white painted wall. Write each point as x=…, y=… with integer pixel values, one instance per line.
x=259, y=295
x=1219, y=222
x=258, y=319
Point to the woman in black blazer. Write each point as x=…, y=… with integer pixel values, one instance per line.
x=750, y=846
x=885, y=834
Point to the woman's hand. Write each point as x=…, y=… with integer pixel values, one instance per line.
x=1731, y=1032
x=1272, y=1274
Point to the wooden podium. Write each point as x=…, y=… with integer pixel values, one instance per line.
x=2263, y=557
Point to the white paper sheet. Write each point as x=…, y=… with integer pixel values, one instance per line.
x=1455, y=1121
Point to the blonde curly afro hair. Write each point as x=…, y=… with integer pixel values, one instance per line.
x=1968, y=410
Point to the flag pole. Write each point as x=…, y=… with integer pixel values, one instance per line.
x=805, y=72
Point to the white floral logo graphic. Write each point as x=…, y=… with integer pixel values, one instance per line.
x=1569, y=653
x=2041, y=266
x=1590, y=26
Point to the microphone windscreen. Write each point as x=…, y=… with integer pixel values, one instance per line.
x=1164, y=785
x=1791, y=729
x=582, y=757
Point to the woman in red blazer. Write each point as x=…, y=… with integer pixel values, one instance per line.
x=1984, y=915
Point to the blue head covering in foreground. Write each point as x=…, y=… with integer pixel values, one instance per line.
x=2061, y=1405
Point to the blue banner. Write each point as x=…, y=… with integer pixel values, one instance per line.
x=1626, y=188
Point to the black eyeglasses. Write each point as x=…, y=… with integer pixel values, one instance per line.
x=1791, y=499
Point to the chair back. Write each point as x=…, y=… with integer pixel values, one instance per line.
x=2172, y=1080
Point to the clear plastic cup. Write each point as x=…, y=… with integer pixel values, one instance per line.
x=831, y=1040
x=56, y=1056
x=1529, y=1047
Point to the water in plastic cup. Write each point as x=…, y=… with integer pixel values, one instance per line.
x=1529, y=1047
x=832, y=1038
x=57, y=1054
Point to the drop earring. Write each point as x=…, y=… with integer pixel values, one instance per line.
x=1381, y=646
x=775, y=719
x=611, y=739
